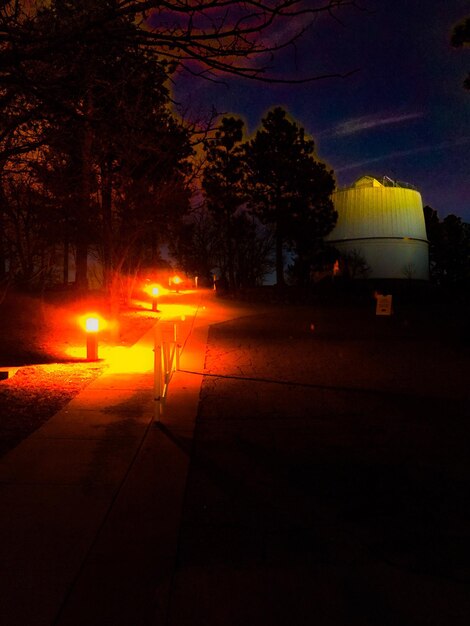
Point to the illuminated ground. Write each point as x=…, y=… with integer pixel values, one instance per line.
x=43, y=348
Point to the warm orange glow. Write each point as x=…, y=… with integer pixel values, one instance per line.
x=138, y=358
x=178, y=309
x=154, y=289
x=174, y=311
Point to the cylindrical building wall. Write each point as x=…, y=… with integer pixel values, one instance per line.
x=384, y=225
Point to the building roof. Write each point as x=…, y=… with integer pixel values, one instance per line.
x=383, y=181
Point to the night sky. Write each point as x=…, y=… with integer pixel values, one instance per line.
x=403, y=114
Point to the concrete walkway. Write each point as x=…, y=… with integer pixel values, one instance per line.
x=91, y=502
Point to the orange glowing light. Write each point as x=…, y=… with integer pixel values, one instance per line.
x=154, y=290
x=175, y=282
x=92, y=322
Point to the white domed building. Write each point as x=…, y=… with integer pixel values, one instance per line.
x=381, y=221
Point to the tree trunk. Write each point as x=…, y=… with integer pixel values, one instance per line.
x=279, y=260
x=65, y=275
x=3, y=269
x=3, y=263
x=81, y=264
x=230, y=253
x=106, y=208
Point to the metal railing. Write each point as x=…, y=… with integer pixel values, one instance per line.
x=166, y=361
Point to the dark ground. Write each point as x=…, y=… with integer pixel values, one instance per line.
x=329, y=481
x=330, y=475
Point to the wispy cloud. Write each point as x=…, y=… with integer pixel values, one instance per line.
x=402, y=153
x=367, y=122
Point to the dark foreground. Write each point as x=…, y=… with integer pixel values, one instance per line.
x=320, y=476
x=329, y=482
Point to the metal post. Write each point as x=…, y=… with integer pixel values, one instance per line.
x=157, y=371
x=166, y=362
x=177, y=347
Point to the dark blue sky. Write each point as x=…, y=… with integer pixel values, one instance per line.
x=404, y=114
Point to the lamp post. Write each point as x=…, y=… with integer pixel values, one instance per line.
x=92, y=327
x=154, y=298
x=176, y=280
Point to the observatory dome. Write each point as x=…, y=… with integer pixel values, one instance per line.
x=382, y=221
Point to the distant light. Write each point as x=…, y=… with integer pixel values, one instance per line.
x=154, y=292
x=175, y=281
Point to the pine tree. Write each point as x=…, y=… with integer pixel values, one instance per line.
x=288, y=188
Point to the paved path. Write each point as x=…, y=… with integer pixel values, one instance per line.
x=91, y=501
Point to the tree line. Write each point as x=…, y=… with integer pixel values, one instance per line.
x=449, y=250
x=96, y=159
x=264, y=197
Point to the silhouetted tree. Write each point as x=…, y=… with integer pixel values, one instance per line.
x=289, y=189
x=253, y=251
x=433, y=231
x=205, y=38
x=222, y=186
x=461, y=38
x=124, y=150
x=27, y=229
x=449, y=249
x=199, y=247
x=196, y=245
x=455, y=251
x=60, y=58
x=142, y=152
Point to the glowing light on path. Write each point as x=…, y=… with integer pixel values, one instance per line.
x=92, y=324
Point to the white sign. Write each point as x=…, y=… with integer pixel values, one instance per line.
x=384, y=305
